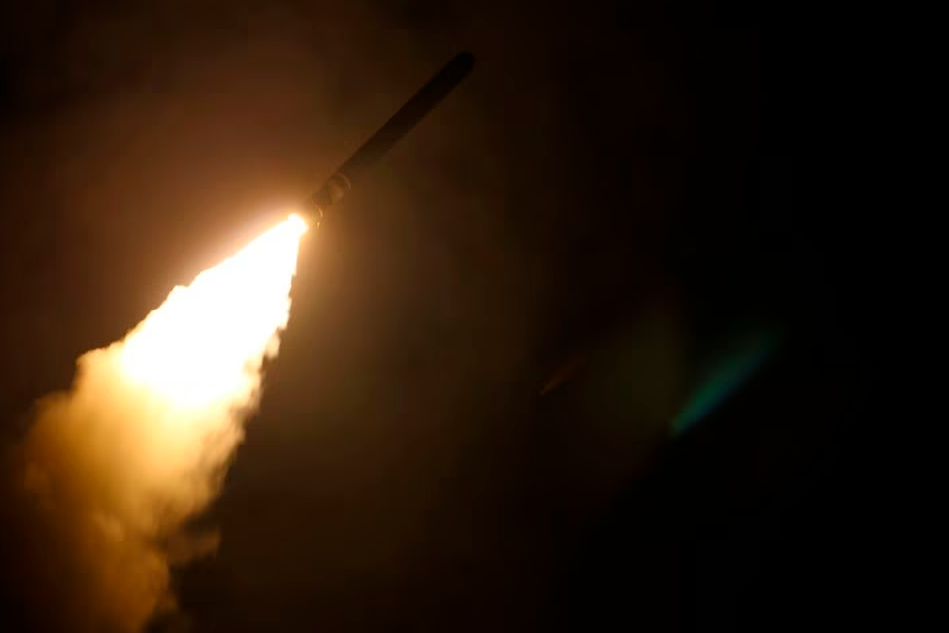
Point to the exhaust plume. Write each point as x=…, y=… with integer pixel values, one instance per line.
x=111, y=471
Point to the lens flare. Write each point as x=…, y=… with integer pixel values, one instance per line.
x=111, y=472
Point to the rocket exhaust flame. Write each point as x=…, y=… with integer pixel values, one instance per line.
x=111, y=471
x=224, y=323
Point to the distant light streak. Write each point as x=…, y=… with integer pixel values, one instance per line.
x=725, y=377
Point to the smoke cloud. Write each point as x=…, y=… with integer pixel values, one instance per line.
x=111, y=472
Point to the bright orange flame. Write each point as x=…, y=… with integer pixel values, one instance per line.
x=181, y=382
x=119, y=464
x=207, y=341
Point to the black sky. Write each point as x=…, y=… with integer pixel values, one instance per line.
x=624, y=188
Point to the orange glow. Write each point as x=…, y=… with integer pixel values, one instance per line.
x=207, y=340
x=117, y=466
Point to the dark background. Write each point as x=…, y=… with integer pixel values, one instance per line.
x=619, y=198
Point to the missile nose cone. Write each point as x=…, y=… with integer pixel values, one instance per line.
x=462, y=64
x=407, y=117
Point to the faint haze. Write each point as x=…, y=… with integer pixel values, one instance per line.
x=396, y=471
x=135, y=131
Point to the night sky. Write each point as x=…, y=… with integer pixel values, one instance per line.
x=488, y=410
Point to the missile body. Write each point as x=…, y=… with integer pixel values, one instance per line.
x=388, y=135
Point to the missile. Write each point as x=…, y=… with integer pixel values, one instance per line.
x=408, y=116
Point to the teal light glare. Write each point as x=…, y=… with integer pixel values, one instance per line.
x=724, y=378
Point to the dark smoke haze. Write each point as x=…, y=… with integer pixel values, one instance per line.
x=576, y=197
x=146, y=141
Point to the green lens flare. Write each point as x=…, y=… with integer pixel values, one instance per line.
x=724, y=378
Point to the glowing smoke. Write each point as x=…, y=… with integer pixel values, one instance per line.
x=112, y=471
